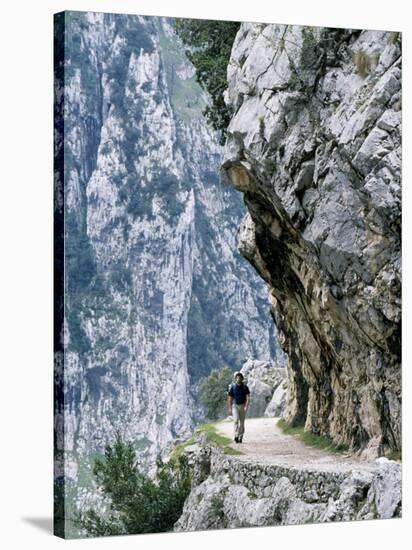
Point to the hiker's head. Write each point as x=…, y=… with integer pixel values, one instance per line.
x=238, y=377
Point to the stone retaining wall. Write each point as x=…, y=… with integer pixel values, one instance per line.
x=230, y=492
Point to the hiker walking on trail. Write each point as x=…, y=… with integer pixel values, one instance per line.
x=238, y=400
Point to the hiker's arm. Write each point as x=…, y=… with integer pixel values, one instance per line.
x=247, y=402
x=229, y=404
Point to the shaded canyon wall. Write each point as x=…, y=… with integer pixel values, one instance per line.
x=314, y=146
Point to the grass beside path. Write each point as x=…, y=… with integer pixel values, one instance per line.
x=212, y=436
x=319, y=441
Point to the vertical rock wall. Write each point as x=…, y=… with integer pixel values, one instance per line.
x=149, y=246
x=314, y=146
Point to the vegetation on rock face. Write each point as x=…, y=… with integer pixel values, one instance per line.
x=362, y=63
x=213, y=392
x=186, y=95
x=209, y=44
x=138, y=504
x=217, y=510
x=309, y=55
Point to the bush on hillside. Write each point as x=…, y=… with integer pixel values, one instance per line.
x=138, y=504
x=213, y=392
x=209, y=44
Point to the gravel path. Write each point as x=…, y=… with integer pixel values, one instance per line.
x=265, y=443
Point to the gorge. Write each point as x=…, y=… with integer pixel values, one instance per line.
x=150, y=228
x=145, y=237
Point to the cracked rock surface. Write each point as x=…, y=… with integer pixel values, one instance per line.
x=278, y=480
x=314, y=145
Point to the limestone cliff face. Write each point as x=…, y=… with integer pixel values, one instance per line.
x=314, y=146
x=149, y=241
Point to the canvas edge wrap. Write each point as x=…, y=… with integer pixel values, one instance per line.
x=58, y=273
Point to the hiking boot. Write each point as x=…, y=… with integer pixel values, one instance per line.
x=236, y=439
x=239, y=439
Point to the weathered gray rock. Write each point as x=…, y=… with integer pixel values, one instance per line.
x=236, y=493
x=314, y=146
x=145, y=262
x=261, y=395
x=387, y=488
x=277, y=405
x=263, y=379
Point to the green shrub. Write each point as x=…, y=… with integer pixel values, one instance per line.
x=213, y=392
x=138, y=504
x=217, y=508
x=308, y=54
x=209, y=44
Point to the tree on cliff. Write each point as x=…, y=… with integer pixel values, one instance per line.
x=209, y=44
x=213, y=392
x=138, y=504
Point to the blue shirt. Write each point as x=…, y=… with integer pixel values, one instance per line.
x=239, y=393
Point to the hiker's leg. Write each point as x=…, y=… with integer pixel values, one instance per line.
x=236, y=419
x=242, y=416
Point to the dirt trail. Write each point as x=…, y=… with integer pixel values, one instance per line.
x=265, y=443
